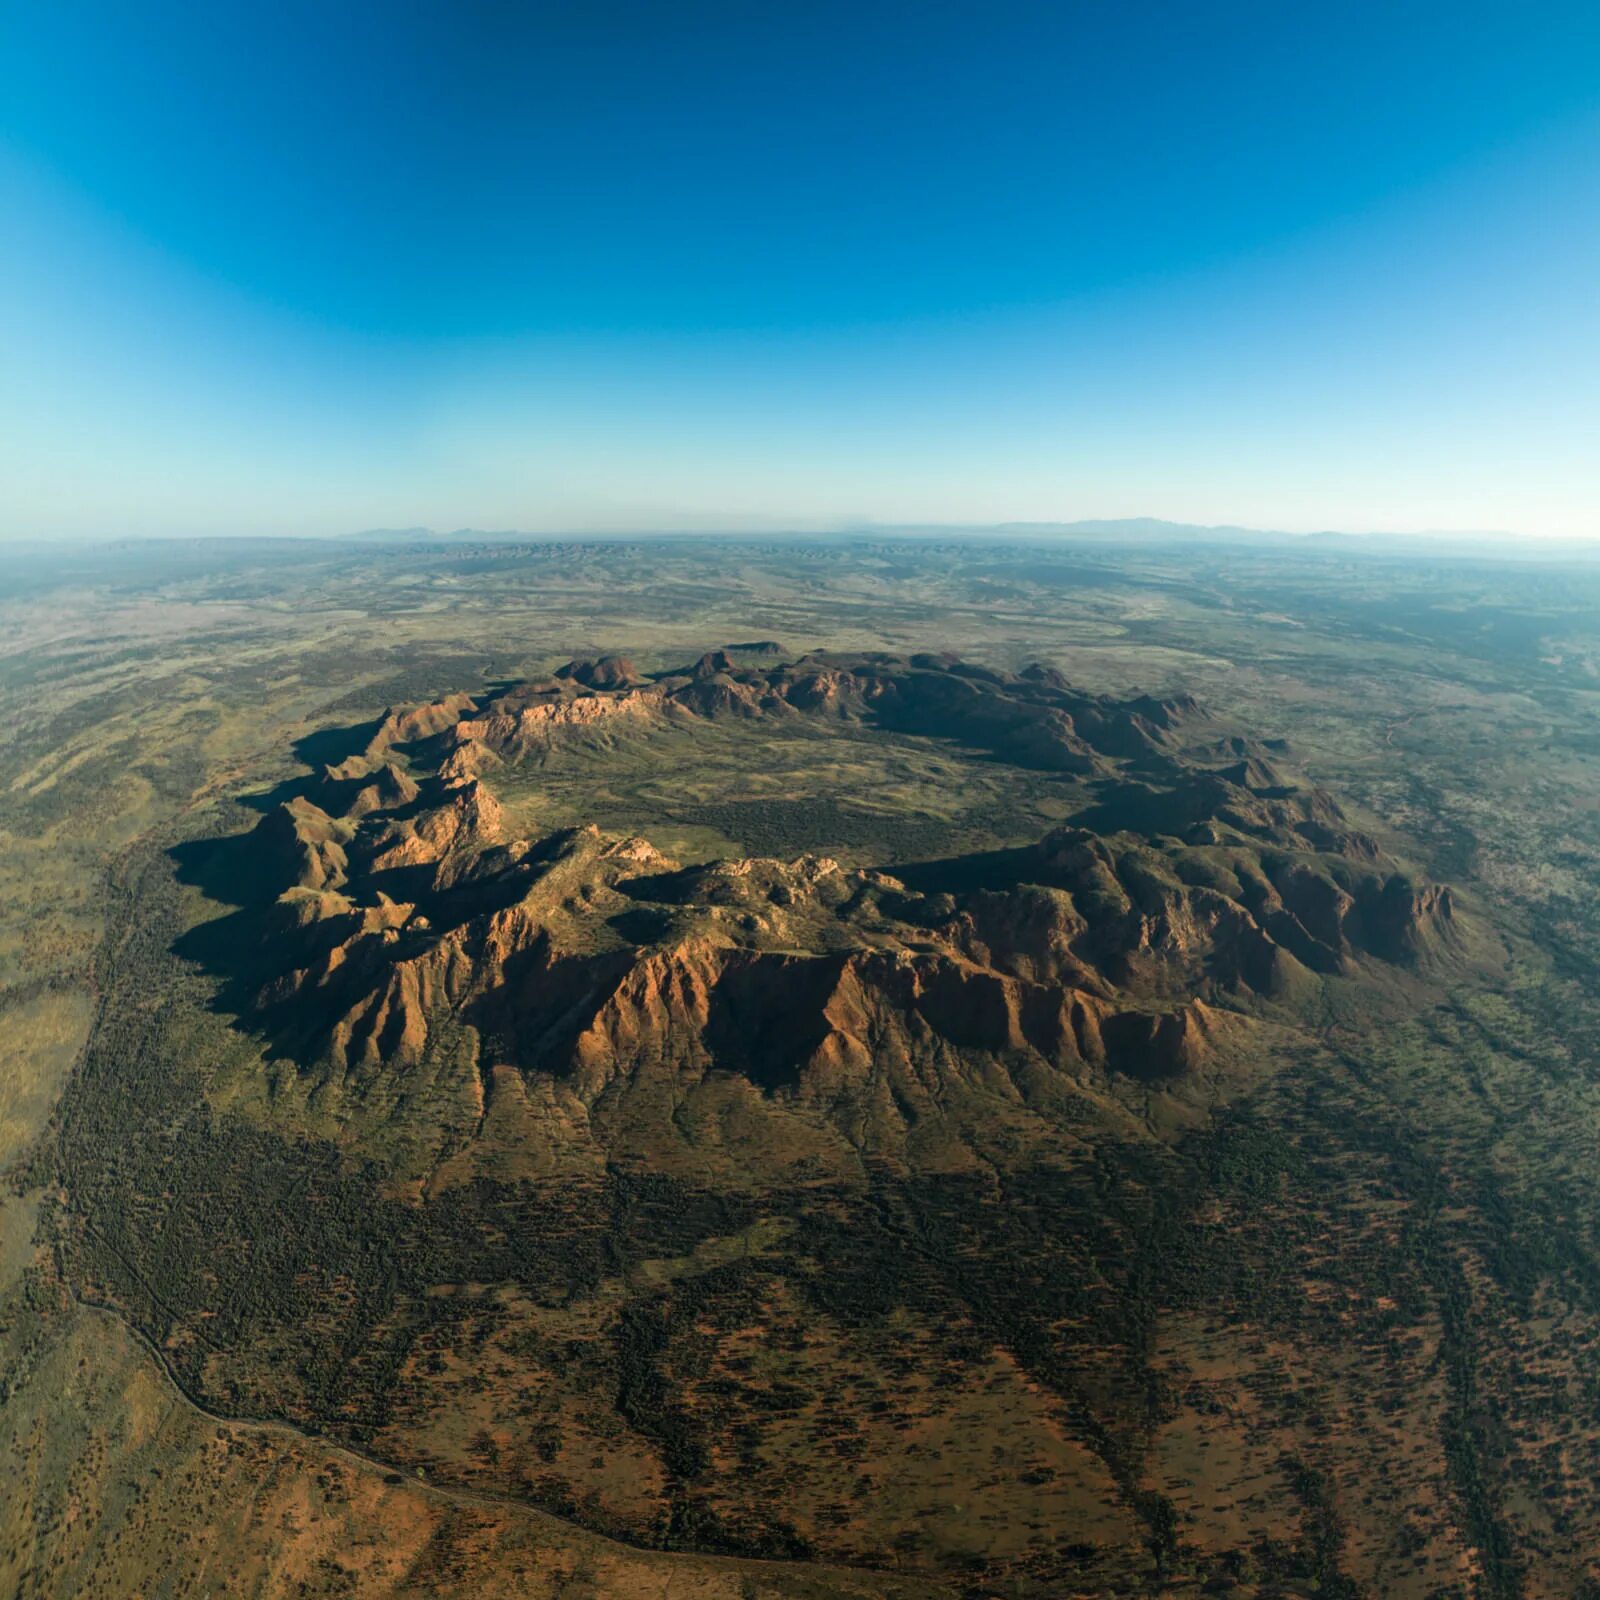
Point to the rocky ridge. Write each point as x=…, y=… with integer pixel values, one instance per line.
x=1130, y=951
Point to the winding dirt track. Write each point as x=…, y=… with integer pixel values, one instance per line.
x=863, y=1582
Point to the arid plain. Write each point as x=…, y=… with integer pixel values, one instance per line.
x=798, y=1067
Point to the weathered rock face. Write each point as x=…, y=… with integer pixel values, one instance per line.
x=521, y=722
x=1035, y=718
x=305, y=845
x=466, y=820
x=1133, y=952
x=609, y=672
x=406, y=725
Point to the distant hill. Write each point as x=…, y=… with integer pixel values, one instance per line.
x=1459, y=544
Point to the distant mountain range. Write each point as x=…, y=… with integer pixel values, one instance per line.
x=1152, y=531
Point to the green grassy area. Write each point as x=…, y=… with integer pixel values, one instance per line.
x=785, y=788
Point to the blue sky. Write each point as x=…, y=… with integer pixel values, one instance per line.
x=308, y=269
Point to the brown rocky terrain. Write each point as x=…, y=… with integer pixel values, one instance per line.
x=1035, y=718
x=939, y=1131
x=812, y=1206
x=843, y=1205
x=659, y=1297
x=1139, y=949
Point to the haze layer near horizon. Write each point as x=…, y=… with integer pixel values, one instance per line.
x=293, y=270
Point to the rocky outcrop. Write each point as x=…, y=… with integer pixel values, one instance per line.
x=514, y=727
x=609, y=672
x=468, y=818
x=384, y=790
x=305, y=846
x=1127, y=953
x=1035, y=717
x=407, y=724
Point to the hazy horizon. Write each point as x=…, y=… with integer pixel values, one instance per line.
x=1111, y=532
x=625, y=270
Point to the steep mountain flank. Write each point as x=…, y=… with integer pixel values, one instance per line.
x=1137, y=954
x=1034, y=718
